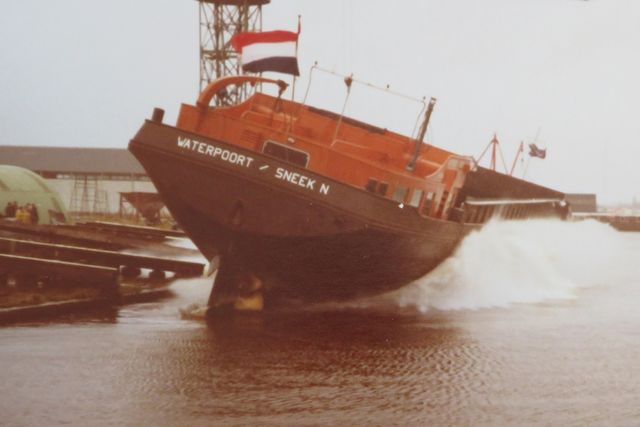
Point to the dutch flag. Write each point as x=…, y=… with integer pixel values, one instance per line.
x=268, y=51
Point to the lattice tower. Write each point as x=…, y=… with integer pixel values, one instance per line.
x=219, y=21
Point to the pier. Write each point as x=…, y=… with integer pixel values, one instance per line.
x=59, y=269
x=99, y=257
x=29, y=271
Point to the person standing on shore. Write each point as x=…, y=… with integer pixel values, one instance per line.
x=10, y=209
x=33, y=210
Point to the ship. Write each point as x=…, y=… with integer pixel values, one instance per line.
x=294, y=204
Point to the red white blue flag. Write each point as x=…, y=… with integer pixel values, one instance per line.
x=268, y=51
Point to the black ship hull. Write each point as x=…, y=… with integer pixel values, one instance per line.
x=307, y=238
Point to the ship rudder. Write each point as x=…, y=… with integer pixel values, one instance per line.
x=235, y=288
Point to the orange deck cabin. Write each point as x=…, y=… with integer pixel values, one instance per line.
x=344, y=149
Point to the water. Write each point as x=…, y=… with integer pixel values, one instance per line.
x=528, y=324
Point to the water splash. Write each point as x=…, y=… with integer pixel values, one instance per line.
x=192, y=296
x=194, y=311
x=509, y=262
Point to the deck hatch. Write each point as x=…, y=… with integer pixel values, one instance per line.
x=288, y=154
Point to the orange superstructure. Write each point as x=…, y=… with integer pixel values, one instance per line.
x=338, y=147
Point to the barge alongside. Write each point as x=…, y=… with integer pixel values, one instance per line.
x=296, y=204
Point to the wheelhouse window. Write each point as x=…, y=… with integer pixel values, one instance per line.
x=377, y=187
x=400, y=193
x=415, y=198
x=382, y=188
x=371, y=186
x=288, y=154
x=427, y=202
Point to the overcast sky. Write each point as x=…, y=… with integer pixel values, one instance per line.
x=86, y=73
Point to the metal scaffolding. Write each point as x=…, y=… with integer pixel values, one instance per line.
x=87, y=197
x=219, y=21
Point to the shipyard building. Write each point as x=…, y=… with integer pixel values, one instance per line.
x=88, y=180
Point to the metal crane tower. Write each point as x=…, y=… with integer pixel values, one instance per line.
x=219, y=21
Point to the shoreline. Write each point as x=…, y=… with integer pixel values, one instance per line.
x=52, y=309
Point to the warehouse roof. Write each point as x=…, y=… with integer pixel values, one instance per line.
x=71, y=159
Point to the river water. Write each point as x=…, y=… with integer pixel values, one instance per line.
x=531, y=323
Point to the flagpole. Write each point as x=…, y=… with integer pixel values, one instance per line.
x=293, y=83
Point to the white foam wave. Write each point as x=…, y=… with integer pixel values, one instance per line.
x=192, y=296
x=509, y=262
x=194, y=311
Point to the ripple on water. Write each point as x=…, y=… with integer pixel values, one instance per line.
x=570, y=362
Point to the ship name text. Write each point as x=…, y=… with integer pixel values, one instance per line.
x=301, y=180
x=242, y=160
x=215, y=152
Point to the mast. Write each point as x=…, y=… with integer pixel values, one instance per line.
x=520, y=151
x=420, y=138
x=494, y=144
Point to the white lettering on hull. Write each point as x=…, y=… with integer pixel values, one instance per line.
x=232, y=157
x=301, y=180
x=215, y=152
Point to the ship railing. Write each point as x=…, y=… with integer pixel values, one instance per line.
x=349, y=80
x=480, y=210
